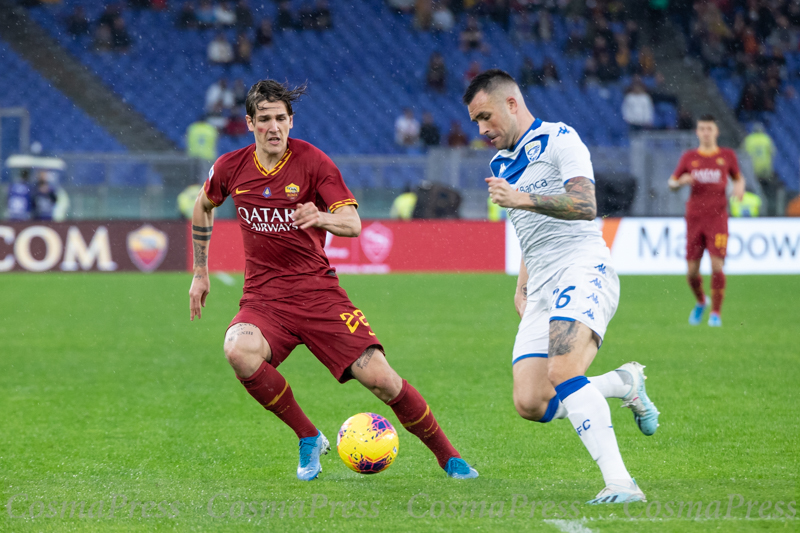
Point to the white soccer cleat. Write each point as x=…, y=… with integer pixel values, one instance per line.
x=619, y=494
x=644, y=411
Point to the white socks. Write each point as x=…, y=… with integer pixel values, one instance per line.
x=612, y=384
x=591, y=418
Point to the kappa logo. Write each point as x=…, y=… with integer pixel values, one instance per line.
x=267, y=193
x=502, y=169
x=533, y=150
x=292, y=190
x=589, y=313
x=564, y=130
x=602, y=268
x=593, y=297
x=596, y=282
x=147, y=247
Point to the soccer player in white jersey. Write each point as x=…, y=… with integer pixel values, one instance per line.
x=567, y=289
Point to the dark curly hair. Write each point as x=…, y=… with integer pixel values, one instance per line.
x=273, y=91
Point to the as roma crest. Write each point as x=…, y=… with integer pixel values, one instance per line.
x=147, y=247
x=292, y=190
x=376, y=241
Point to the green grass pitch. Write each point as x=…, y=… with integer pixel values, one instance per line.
x=109, y=394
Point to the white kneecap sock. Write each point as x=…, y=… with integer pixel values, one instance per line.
x=590, y=416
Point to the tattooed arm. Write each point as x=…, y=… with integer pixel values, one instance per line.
x=577, y=203
x=344, y=222
x=521, y=294
x=202, y=224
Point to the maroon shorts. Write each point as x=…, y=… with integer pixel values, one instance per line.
x=324, y=320
x=706, y=234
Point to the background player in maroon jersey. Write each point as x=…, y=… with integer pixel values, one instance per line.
x=287, y=194
x=706, y=170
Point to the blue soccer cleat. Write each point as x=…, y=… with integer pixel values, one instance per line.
x=457, y=468
x=697, y=313
x=619, y=494
x=644, y=410
x=310, y=450
x=714, y=320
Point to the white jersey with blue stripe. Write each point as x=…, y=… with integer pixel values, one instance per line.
x=546, y=157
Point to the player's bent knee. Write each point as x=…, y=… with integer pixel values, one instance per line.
x=530, y=408
x=245, y=353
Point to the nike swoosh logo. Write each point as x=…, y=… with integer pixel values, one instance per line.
x=240, y=192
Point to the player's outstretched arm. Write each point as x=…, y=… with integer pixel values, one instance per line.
x=344, y=222
x=578, y=203
x=202, y=224
x=521, y=294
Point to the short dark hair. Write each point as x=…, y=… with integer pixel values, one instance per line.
x=273, y=91
x=486, y=81
x=707, y=118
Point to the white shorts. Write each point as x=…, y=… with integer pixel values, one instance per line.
x=587, y=292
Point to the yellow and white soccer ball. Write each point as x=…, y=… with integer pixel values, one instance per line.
x=367, y=443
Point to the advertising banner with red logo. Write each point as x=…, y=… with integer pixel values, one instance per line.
x=388, y=246
x=92, y=246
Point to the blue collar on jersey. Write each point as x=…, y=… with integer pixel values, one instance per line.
x=511, y=168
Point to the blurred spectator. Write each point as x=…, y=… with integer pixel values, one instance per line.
x=219, y=94
x=237, y=124
x=103, y=39
x=285, y=19
x=471, y=37
x=473, y=70
x=591, y=76
x=647, y=62
x=442, y=19
x=218, y=117
x=205, y=14
x=660, y=92
x=239, y=91
x=264, y=35
x=187, y=18
x=120, y=36
x=759, y=146
x=750, y=102
x=406, y=129
x=139, y=4
x=201, y=140
x=550, y=73
x=220, y=51
x=544, y=26
x=322, y=15
x=402, y=6
x=577, y=28
x=685, y=119
x=522, y=30
x=19, y=204
x=457, y=138
x=607, y=69
x=244, y=17
x=78, y=22
x=109, y=14
x=637, y=107
x=623, y=54
x=45, y=196
x=429, y=132
x=437, y=73
x=244, y=49
x=528, y=75
x=306, y=17
x=225, y=15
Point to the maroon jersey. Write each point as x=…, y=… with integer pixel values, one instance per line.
x=710, y=173
x=280, y=260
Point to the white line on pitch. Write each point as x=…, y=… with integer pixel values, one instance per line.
x=226, y=278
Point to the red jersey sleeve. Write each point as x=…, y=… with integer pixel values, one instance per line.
x=733, y=164
x=331, y=187
x=683, y=165
x=216, y=186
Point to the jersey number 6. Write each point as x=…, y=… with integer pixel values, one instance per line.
x=564, y=298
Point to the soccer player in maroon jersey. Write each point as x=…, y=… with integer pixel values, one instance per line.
x=706, y=170
x=287, y=194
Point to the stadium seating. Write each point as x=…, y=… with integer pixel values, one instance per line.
x=361, y=74
x=55, y=121
x=783, y=125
